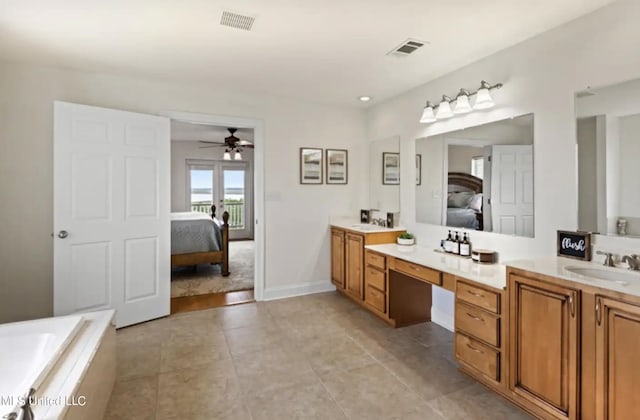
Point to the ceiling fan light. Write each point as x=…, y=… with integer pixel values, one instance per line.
x=483, y=97
x=444, y=109
x=238, y=156
x=227, y=155
x=462, y=105
x=428, y=116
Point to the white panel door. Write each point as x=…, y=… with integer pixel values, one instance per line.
x=111, y=213
x=512, y=190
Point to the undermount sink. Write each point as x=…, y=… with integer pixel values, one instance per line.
x=620, y=277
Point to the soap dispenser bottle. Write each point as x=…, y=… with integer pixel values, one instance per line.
x=465, y=246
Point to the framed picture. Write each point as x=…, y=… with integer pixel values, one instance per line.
x=390, y=168
x=418, y=169
x=575, y=245
x=337, y=166
x=310, y=165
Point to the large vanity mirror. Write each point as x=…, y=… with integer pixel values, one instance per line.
x=384, y=174
x=479, y=178
x=608, y=133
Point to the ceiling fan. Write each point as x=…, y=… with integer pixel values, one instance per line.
x=232, y=143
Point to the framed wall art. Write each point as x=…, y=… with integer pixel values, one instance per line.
x=337, y=166
x=310, y=166
x=390, y=168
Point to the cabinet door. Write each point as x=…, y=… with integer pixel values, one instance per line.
x=544, y=345
x=617, y=369
x=337, y=258
x=354, y=265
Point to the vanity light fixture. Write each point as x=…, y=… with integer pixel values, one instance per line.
x=428, y=115
x=447, y=107
x=444, y=108
x=462, y=105
x=483, y=97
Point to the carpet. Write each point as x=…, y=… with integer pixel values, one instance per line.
x=207, y=278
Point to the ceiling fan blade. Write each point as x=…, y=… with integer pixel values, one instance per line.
x=211, y=142
x=244, y=143
x=209, y=147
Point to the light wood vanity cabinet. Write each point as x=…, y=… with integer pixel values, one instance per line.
x=354, y=262
x=479, y=332
x=544, y=345
x=617, y=337
x=337, y=258
x=375, y=282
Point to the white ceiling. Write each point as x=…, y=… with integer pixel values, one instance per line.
x=325, y=50
x=184, y=131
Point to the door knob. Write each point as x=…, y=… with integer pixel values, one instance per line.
x=63, y=234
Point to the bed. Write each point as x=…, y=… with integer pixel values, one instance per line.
x=464, y=201
x=197, y=238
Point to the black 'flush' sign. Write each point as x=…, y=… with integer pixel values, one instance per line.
x=574, y=245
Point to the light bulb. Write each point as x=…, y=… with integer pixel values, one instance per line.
x=238, y=156
x=483, y=97
x=227, y=155
x=444, y=109
x=428, y=116
x=462, y=103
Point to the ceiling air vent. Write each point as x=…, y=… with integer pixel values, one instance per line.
x=235, y=20
x=407, y=47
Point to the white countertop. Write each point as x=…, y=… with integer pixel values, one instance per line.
x=557, y=267
x=358, y=227
x=492, y=275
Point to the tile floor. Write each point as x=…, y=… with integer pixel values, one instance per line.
x=310, y=357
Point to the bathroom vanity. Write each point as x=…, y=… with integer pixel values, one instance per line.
x=557, y=337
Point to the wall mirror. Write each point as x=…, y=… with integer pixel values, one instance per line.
x=608, y=129
x=384, y=174
x=478, y=178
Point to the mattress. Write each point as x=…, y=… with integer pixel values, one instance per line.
x=194, y=232
x=463, y=218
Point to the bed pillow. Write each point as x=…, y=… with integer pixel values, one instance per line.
x=459, y=200
x=475, y=202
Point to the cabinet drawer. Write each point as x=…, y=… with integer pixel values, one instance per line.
x=375, y=278
x=479, y=356
x=478, y=323
x=478, y=297
x=375, y=260
x=419, y=271
x=375, y=298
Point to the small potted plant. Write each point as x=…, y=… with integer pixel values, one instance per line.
x=406, y=239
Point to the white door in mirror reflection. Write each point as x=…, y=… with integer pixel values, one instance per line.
x=511, y=208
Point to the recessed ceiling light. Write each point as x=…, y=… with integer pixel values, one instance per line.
x=365, y=98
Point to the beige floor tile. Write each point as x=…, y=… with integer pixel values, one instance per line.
x=311, y=325
x=476, y=403
x=306, y=402
x=148, y=333
x=192, y=392
x=243, y=316
x=428, y=334
x=337, y=351
x=254, y=338
x=225, y=410
x=428, y=377
x=370, y=392
x=184, y=355
x=133, y=399
x=137, y=360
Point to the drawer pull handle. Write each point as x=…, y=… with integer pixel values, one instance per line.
x=477, y=318
x=480, y=295
x=474, y=349
x=598, y=312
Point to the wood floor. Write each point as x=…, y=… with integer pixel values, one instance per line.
x=212, y=300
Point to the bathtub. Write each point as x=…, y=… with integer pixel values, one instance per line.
x=54, y=356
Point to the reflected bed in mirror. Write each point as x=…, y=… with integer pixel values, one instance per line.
x=479, y=178
x=384, y=175
x=608, y=128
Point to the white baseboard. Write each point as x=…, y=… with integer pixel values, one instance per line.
x=443, y=319
x=281, y=292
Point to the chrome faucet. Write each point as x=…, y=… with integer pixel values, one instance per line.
x=633, y=261
x=608, y=258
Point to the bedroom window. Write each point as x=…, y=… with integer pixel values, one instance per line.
x=201, y=185
x=477, y=166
